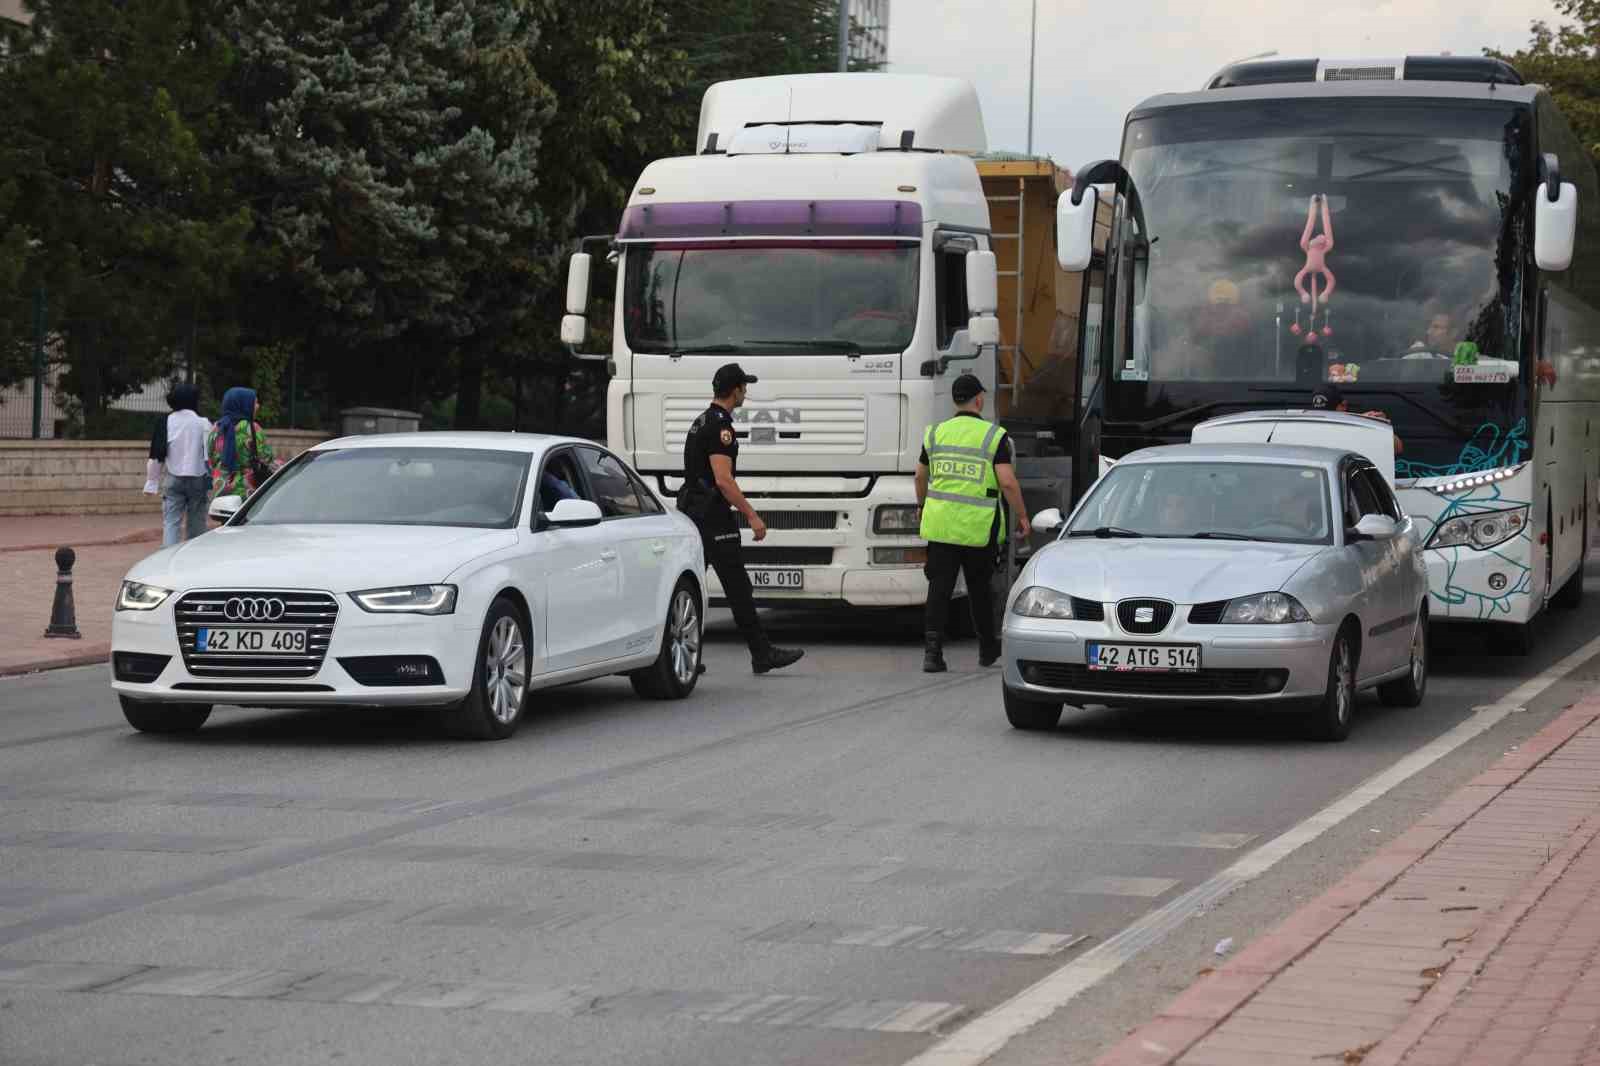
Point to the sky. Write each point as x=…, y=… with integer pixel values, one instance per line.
x=1095, y=61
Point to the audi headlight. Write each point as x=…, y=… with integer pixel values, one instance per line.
x=1039, y=602
x=1483, y=529
x=1265, y=607
x=137, y=597
x=897, y=518
x=408, y=599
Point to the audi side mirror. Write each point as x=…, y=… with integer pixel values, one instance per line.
x=573, y=514
x=225, y=507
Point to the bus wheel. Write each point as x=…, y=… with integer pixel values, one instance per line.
x=1518, y=638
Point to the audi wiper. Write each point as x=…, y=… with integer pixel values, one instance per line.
x=1104, y=532
x=846, y=347
x=1222, y=536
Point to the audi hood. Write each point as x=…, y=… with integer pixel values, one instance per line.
x=1183, y=571
x=334, y=558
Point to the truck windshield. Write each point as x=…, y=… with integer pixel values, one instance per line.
x=1373, y=244
x=771, y=299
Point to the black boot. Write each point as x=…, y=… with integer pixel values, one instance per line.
x=989, y=654
x=933, y=654
x=770, y=658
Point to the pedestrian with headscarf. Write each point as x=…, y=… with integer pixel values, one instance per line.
x=241, y=457
x=177, y=466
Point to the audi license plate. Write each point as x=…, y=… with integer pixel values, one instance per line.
x=251, y=641
x=778, y=579
x=1149, y=658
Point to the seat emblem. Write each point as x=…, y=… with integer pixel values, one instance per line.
x=1144, y=615
x=253, y=609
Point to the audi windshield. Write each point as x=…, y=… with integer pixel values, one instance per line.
x=477, y=488
x=778, y=298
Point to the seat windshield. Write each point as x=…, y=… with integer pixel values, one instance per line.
x=1210, y=500
x=476, y=488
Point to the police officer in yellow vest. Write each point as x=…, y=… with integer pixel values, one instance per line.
x=966, y=466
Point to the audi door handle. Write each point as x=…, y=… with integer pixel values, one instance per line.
x=659, y=548
x=609, y=555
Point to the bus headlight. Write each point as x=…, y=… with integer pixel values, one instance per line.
x=897, y=518
x=1483, y=529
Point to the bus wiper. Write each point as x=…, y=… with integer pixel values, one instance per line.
x=1104, y=531
x=1214, y=535
x=847, y=347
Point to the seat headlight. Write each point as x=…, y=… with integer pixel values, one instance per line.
x=901, y=518
x=140, y=597
x=1265, y=608
x=1037, y=601
x=408, y=599
x=1482, y=529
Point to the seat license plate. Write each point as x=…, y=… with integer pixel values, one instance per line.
x=777, y=579
x=251, y=641
x=1150, y=658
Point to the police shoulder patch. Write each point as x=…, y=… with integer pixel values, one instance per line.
x=727, y=436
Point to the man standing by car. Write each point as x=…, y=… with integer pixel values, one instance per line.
x=966, y=465
x=711, y=494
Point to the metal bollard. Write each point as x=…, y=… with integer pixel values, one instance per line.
x=63, y=615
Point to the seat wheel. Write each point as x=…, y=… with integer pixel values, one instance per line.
x=1335, y=711
x=1409, y=690
x=676, y=669
x=150, y=717
x=1027, y=713
x=493, y=709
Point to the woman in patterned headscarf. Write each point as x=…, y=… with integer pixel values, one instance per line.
x=241, y=457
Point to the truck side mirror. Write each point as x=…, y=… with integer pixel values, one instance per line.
x=1075, y=230
x=574, y=326
x=1555, y=226
x=983, y=298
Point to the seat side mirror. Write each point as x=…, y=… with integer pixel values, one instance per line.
x=1075, y=230
x=1377, y=527
x=1048, y=520
x=225, y=507
x=573, y=514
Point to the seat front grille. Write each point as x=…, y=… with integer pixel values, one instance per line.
x=1144, y=616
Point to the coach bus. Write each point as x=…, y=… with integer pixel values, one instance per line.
x=1419, y=234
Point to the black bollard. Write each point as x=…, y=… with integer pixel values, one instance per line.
x=63, y=615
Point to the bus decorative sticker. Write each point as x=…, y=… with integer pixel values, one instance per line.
x=1489, y=448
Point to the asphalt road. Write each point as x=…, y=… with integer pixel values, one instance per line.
x=846, y=862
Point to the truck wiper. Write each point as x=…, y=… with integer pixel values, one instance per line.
x=847, y=347
x=1104, y=531
x=1213, y=535
x=699, y=349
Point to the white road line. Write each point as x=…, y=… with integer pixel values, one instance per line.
x=985, y=1035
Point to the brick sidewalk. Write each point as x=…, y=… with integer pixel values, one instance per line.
x=1474, y=938
x=107, y=545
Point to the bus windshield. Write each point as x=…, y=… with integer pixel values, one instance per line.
x=1371, y=244
x=779, y=298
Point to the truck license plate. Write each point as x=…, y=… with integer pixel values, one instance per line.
x=1150, y=658
x=778, y=579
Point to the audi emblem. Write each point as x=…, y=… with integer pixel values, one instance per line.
x=253, y=609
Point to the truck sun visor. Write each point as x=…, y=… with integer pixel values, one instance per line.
x=772, y=218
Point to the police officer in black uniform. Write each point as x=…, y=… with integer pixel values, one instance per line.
x=710, y=496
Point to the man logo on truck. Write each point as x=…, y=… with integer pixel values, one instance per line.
x=770, y=414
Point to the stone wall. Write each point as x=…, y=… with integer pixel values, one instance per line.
x=95, y=476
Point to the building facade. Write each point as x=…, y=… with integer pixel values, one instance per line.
x=869, y=49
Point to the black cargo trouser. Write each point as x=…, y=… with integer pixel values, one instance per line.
x=725, y=555
x=945, y=561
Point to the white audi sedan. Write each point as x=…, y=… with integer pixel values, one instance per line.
x=455, y=570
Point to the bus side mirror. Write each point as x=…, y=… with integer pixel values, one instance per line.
x=1075, y=230
x=983, y=298
x=574, y=326
x=1555, y=226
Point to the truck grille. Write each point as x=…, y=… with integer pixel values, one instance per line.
x=795, y=519
x=313, y=611
x=828, y=425
x=779, y=556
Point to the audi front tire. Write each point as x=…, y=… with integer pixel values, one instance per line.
x=150, y=717
x=493, y=709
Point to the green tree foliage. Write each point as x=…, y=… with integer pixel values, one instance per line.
x=1566, y=57
x=104, y=165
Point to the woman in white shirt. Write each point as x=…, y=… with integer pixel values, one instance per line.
x=179, y=444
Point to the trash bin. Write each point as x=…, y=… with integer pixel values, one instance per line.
x=357, y=421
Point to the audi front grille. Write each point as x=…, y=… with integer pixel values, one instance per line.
x=314, y=612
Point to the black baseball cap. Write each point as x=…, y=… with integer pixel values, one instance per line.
x=1327, y=398
x=965, y=388
x=730, y=377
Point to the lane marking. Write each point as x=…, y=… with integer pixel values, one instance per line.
x=1144, y=887
x=979, y=1040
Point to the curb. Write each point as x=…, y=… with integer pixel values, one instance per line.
x=130, y=538
x=1214, y=998
x=92, y=655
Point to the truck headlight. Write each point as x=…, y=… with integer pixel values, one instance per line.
x=408, y=599
x=898, y=518
x=1036, y=601
x=137, y=597
x=1483, y=529
x=1268, y=607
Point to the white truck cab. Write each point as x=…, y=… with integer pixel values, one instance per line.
x=832, y=236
